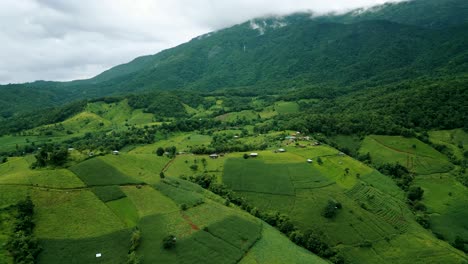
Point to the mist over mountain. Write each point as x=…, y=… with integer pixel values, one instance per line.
x=363, y=48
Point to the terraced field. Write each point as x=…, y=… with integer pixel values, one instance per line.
x=409, y=152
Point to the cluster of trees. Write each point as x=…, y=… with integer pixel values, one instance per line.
x=22, y=245
x=51, y=155
x=135, y=241
x=114, y=140
x=310, y=240
x=172, y=151
x=331, y=209
x=398, y=173
x=30, y=120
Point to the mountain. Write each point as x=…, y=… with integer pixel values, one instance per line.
x=364, y=48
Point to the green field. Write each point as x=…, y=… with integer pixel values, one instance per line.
x=446, y=201
x=96, y=171
x=72, y=215
x=275, y=248
x=409, y=152
x=17, y=172
x=286, y=107
x=456, y=140
x=108, y=193
x=125, y=210
x=113, y=247
x=141, y=167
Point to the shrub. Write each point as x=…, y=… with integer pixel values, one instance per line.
x=169, y=241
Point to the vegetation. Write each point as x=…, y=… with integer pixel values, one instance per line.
x=361, y=115
x=23, y=245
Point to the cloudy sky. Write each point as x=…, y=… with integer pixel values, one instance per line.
x=76, y=39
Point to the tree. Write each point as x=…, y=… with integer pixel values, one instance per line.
x=331, y=209
x=415, y=193
x=161, y=175
x=194, y=167
x=169, y=241
x=160, y=151
x=319, y=161
x=246, y=156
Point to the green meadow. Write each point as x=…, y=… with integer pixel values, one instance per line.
x=417, y=156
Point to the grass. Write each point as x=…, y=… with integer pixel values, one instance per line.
x=113, y=247
x=233, y=116
x=237, y=231
x=446, y=201
x=180, y=166
x=148, y=201
x=183, y=142
x=409, y=152
x=275, y=248
x=286, y=107
x=125, y=210
x=108, y=193
x=17, y=171
x=257, y=176
x=453, y=139
x=6, y=228
x=223, y=242
x=95, y=172
x=10, y=195
x=142, y=167
x=72, y=214
x=181, y=192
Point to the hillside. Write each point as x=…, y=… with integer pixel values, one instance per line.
x=298, y=139
x=343, y=52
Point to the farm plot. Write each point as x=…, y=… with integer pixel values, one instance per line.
x=275, y=248
x=286, y=107
x=17, y=171
x=446, y=201
x=256, y=176
x=182, y=192
x=148, y=201
x=108, y=193
x=113, y=248
x=142, y=167
x=125, y=210
x=97, y=172
x=72, y=214
x=409, y=152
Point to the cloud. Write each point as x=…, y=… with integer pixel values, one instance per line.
x=66, y=40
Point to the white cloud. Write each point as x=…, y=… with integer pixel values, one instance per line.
x=73, y=39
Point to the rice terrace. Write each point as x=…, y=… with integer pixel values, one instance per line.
x=304, y=132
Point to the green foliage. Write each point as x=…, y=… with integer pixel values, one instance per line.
x=160, y=151
x=22, y=244
x=331, y=209
x=51, y=156
x=415, y=193
x=169, y=241
x=108, y=193
x=95, y=172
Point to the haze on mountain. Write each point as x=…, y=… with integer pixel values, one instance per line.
x=66, y=40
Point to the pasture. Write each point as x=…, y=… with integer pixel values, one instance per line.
x=108, y=193
x=409, y=152
x=72, y=215
x=125, y=210
x=141, y=167
x=286, y=107
x=17, y=172
x=113, y=247
x=446, y=201
x=95, y=172
x=275, y=248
